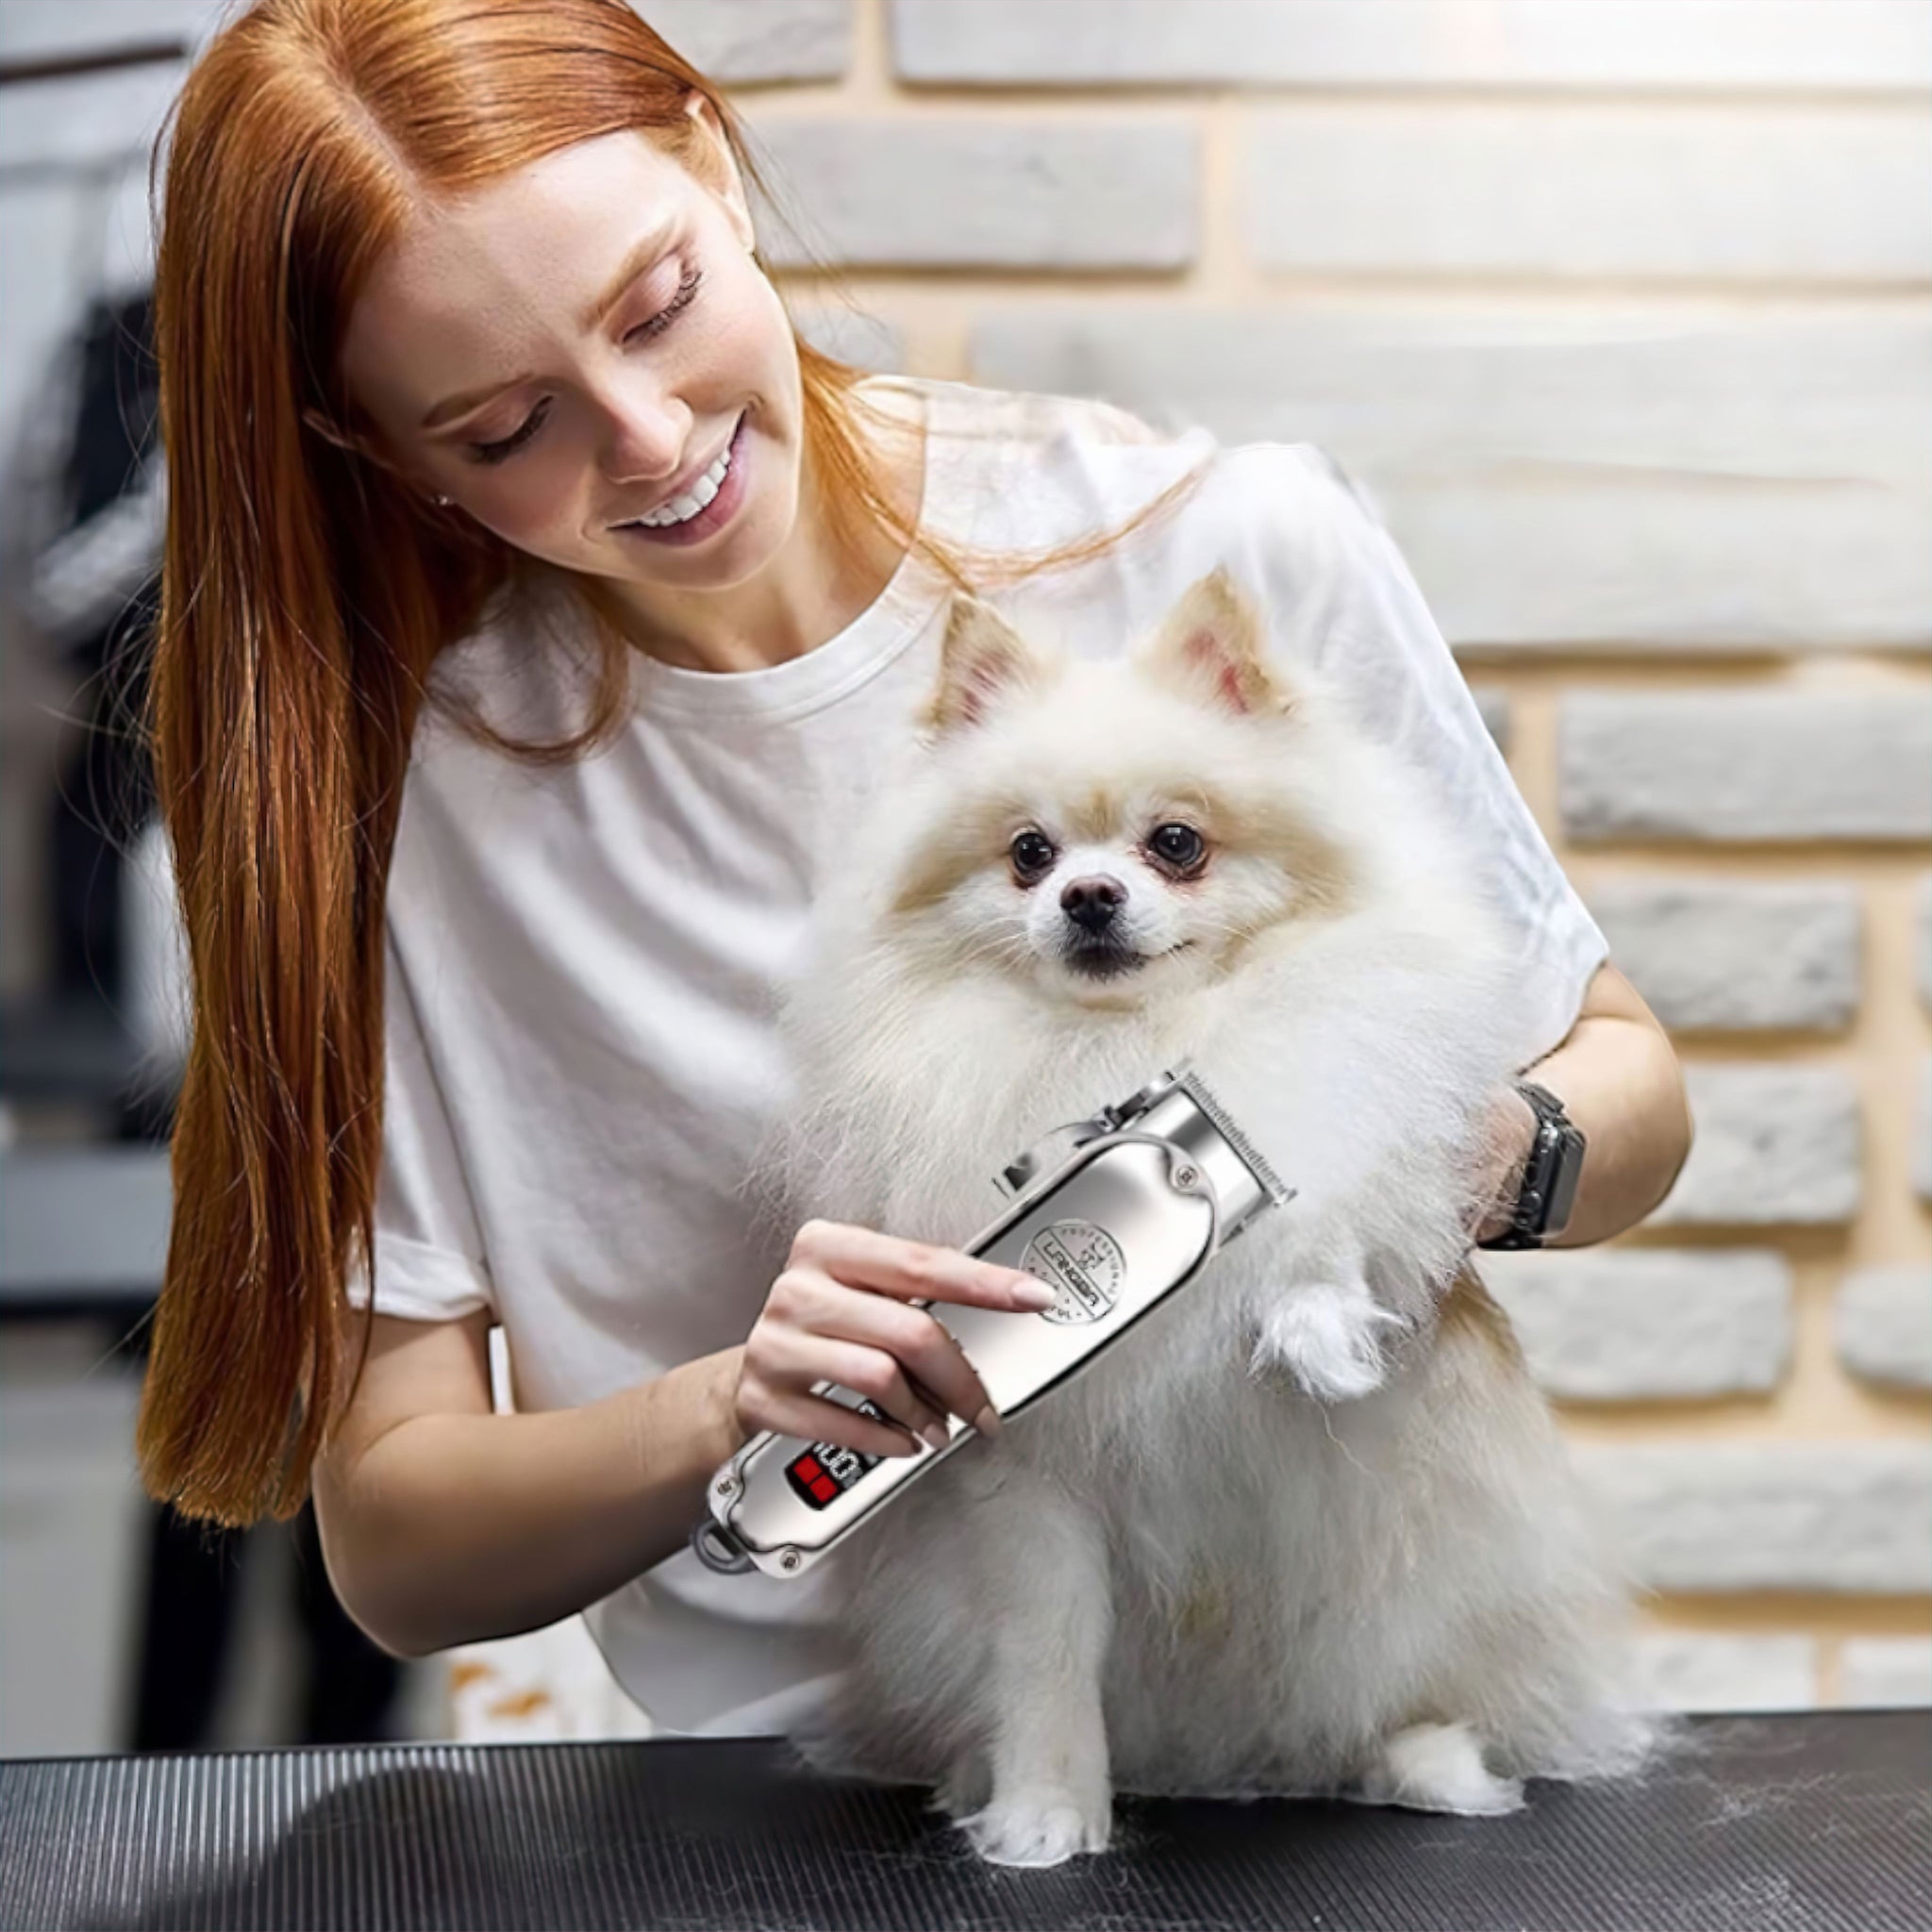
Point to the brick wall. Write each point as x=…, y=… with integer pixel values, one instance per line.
x=1623, y=311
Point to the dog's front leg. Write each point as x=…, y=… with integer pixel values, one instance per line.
x=1326, y=1328
x=1051, y=1602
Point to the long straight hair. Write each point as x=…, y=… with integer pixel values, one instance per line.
x=305, y=593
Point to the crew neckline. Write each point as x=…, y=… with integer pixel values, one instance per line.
x=773, y=692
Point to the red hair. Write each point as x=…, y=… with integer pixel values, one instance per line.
x=306, y=592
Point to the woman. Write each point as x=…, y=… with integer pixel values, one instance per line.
x=495, y=818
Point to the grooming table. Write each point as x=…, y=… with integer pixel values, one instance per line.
x=1814, y=1819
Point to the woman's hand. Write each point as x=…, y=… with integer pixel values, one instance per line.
x=839, y=1313
x=1511, y=1133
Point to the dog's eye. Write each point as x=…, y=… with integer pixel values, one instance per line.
x=1031, y=853
x=1177, y=844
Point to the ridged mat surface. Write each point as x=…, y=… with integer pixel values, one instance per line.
x=1813, y=1820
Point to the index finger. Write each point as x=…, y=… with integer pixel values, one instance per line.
x=865, y=1257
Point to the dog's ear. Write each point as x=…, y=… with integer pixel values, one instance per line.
x=1212, y=648
x=982, y=657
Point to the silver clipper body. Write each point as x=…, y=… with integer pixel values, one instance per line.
x=1114, y=1214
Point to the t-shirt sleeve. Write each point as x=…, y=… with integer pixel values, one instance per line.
x=429, y=1263
x=1362, y=616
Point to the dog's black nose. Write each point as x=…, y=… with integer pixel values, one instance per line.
x=1093, y=903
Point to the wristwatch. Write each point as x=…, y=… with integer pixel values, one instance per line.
x=1549, y=1176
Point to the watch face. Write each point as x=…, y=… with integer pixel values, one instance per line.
x=1565, y=1171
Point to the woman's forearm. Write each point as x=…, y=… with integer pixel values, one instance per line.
x=470, y=1526
x=1620, y=1082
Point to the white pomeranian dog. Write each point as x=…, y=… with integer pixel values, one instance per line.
x=1308, y=1528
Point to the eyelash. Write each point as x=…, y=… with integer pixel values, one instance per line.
x=497, y=452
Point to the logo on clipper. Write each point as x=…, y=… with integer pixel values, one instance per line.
x=1083, y=1263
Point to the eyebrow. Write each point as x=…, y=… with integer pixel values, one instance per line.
x=645, y=254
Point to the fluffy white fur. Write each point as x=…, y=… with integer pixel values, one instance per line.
x=1310, y=1528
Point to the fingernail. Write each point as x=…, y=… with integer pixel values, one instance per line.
x=987, y=1421
x=935, y=1434
x=1034, y=1294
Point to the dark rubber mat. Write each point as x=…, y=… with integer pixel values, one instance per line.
x=1813, y=1820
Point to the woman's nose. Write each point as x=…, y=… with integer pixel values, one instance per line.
x=646, y=441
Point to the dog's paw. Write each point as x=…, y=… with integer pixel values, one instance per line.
x=1438, y=1768
x=1326, y=1339
x=1038, y=1825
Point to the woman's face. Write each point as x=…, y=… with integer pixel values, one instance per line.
x=518, y=356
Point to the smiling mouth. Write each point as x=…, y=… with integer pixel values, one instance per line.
x=729, y=447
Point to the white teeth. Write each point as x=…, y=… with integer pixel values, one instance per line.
x=680, y=509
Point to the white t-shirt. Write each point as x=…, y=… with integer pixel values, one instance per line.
x=583, y=959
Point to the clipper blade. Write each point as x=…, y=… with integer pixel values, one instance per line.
x=1230, y=1131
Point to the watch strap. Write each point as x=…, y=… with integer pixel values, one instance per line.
x=1549, y=1174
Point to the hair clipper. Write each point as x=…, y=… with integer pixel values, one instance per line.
x=1114, y=1214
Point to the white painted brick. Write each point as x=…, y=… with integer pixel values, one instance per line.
x=1782, y=396
x=1811, y=193
x=1889, y=1672
x=757, y=40
x=1635, y=1324
x=1684, y=1669
x=1774, y=1146
x=745, y=40
x=1746, y=765
x=1922, y=1135
x=1707, y=1517
x=1923, y=937
x=1882, y=44
x=1882, y=1323
x=1611, y=474
x=939, y=191
x=1535, y=561
x=1732, y=956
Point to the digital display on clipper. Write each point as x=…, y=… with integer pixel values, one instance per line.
x=825, y=1471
